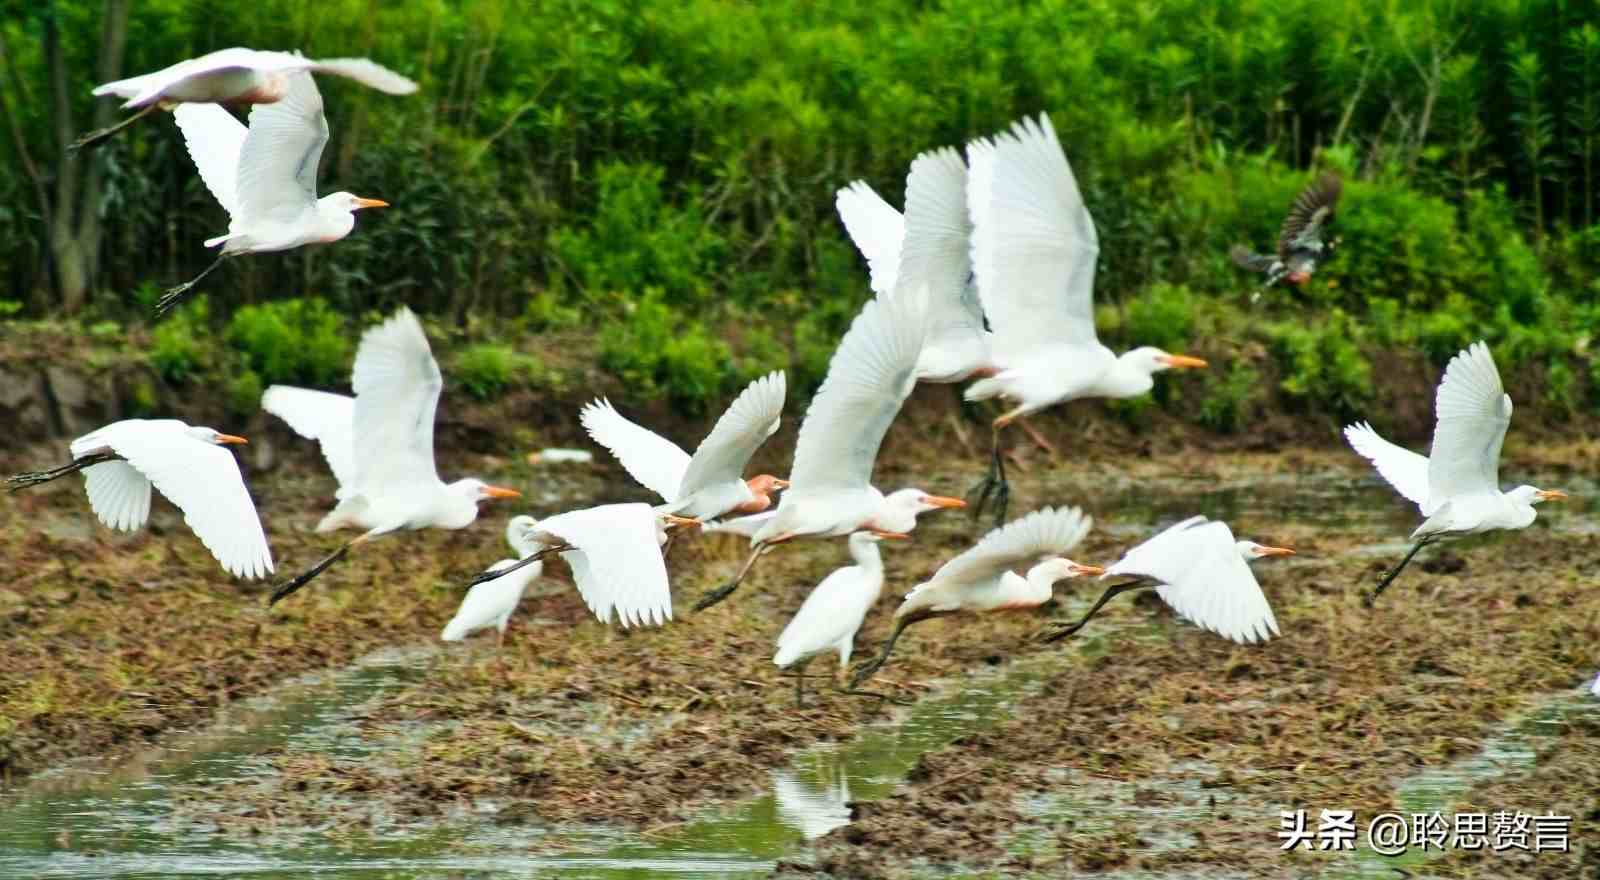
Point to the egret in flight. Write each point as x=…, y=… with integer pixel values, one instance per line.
x=982, y=580
x=123, y=460
x=832, y=614
x=492, y=603
x=1202, y=572
x=1457, y=486
x=379, y=444
x=928, y=246
x=830, y=494
x=614, y=551
x=265, y=176
x=709, y=484
x=1034, y=248
x=1302, y=242
x=234, y=76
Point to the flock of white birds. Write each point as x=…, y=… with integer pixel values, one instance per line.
x=987, y=276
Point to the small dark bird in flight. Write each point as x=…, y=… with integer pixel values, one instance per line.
x=1301, y=245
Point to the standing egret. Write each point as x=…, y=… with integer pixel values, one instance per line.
x=832, y=613
x=981, y=579
x=380, y=444
x=265, y=176
x=1457, y=487
x=830, y=493
x=928, y=246
x=1202, y=572
x=1034, y=247
x=1301, y=248
x=234, y=76
x=709, y=484
x=614, y=551
x=121, y=461
x=491, y=603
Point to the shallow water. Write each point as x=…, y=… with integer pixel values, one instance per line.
x=84, y=821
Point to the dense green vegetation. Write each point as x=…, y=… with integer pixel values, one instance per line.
x=658, y=177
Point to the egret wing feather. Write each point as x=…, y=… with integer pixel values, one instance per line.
x=397, y=384
x=876, y=228
x=368, y=73
x=326, y=418
x=936, y=248
x=1474, y=412
x=118, y=494
x=748, y=422
x=1020, y=543
x=1405, y=470
x=616, y=561
x=215, y=140
x=654, y=461
x=1202, y=577
x=278, y=163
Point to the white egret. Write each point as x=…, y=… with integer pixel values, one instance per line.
x=614, y=551
x=928, y=246
x=709, y=484
x=1203, y=573
x=810, y=811
x=1595, y=687
x=380, y=444
x=830, y=492
x=832, y=614
x=1457, y=487
x=492, y=603
x=265, y=176
x=1034, y=248
x=121, y=461
x=981, y=579
x=235, y=76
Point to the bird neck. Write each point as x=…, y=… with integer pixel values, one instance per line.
x=1038, y=586
x=1126, y=379
x=866, y=554
x=334, y=221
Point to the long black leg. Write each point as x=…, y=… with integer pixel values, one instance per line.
x=285, y=589
x=865, y=670
x=34, y=478
x=497, y=573
x=726, y=590
x=1060, y=631
x=1393, y=573
x=799, y=673
x=175, y=295
x=94, y=138
x=993, y=486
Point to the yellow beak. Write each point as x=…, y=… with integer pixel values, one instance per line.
x=371, y=203
x=226, y=439
x=1552, y=495
x=1274, y=551
x=680, y=521
x=1181, y=360
x=1081, y=569
x=942, y=501
x=895, y=536
x=497, y=492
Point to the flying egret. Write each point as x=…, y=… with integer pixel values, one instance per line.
x=121, y=461
x=234, y=76
x=614, y=551
x=707, y=485
x=380, y=443
x=1034, y=247
x=1202, y=572
x=1457, y=487
x=265, y=176
x=982, y=580
x=929, y=245
x=832, y=614
x=1301, y=245
x=491, y=603
x=830, y=493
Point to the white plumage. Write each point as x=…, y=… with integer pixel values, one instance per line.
x=1203, y=574
x=492, y=603
x=615, y=560
x=239, y=75
x=832, y=614
x=709, y=484
x=982, y=579
x=189, y=466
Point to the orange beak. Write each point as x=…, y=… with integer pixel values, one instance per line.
x=942, y=501
x=680, y=521
x=371, y=203
x=1181, y=360
x=1552, y=495
x=226, y=439
x=1081, y=569
x=1274, y=551
x=497, y=492
x=894, y=536
x=781, y=484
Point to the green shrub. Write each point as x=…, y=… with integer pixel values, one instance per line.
x=487, y=369
x=300, y=341
x=1229, y=398
x=1163, y=316
x=1323, y=366
x=655, y=353
x=176, y=352
x=244, y=393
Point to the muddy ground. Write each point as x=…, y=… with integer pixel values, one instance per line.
x=108, y=641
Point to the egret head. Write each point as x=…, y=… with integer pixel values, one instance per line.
x=1150, y=360
x=900, y=510
x=211, y=435
x=1060, y=568
x=1531, y=495
x=521, y=528
x=761, y=487
x=1252, y=551
x=353, y=203
x=477, y=490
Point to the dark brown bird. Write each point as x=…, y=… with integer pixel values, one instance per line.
x=1301, y=244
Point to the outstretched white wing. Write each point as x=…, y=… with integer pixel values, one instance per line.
x=118, y=494
x=142, y=90
x=937, y=247
x=1019, y=543
x=654, y=461
x=203, y=480
x=753, y=417
x=876, y=228
x=215, y=141
x=1034, y=244
x=1474, y=412
x=278, y=163
x=1203, y=577
x=1405, y=470
x=397, y=385
x=617, y=562
x=326, y=418
x=870, y=375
